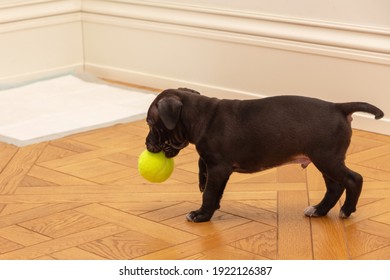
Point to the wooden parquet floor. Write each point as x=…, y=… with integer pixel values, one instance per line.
x=81, y=197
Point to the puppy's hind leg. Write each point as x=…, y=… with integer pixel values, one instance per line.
x=337, y=177
x=333, y=193
x=354, y=184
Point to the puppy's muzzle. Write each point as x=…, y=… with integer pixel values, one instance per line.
x=152, y=144
x=170, y=149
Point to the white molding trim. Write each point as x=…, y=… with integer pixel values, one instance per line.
x=350, y=42
x=24, y=15
x=40, y=22
x=26, y=10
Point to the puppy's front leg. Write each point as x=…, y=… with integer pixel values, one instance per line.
x=217, y=177
x=202, y=174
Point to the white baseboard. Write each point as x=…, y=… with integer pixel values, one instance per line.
x=368, y=123
x=39, y=74
x=163, y=82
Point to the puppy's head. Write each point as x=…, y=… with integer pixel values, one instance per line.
x=166, y=131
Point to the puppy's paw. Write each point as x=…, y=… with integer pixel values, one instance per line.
x=311, y=211
x=198, y=216
x=343, y=214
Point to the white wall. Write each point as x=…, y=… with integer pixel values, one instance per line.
x=39, y=38
x=335, y=50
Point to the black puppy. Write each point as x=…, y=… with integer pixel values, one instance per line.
x=252, y=135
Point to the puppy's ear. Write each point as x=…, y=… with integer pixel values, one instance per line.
x=169, y=110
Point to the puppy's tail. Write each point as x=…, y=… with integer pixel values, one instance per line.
x=352, y=107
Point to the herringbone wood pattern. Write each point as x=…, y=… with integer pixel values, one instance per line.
x=81, y=197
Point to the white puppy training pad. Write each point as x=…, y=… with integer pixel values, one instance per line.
x=54, y=108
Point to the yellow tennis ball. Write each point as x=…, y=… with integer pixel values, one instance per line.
x=155, y=167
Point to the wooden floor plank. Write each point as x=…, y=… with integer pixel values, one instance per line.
x=263, y=245
x=186, y=249
x=361, y=243
x=75, y=253
x=19, y=166
x=125, y=245
x=22, y=235
x=6, y=153
x=36, y=212
x=250, y=212
x=294, y=233
x=227, y=253
x=329, y=239
x=58, y=244
x=139, y=224
x=59, y=178
x=81, y=157
x=380, y=254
